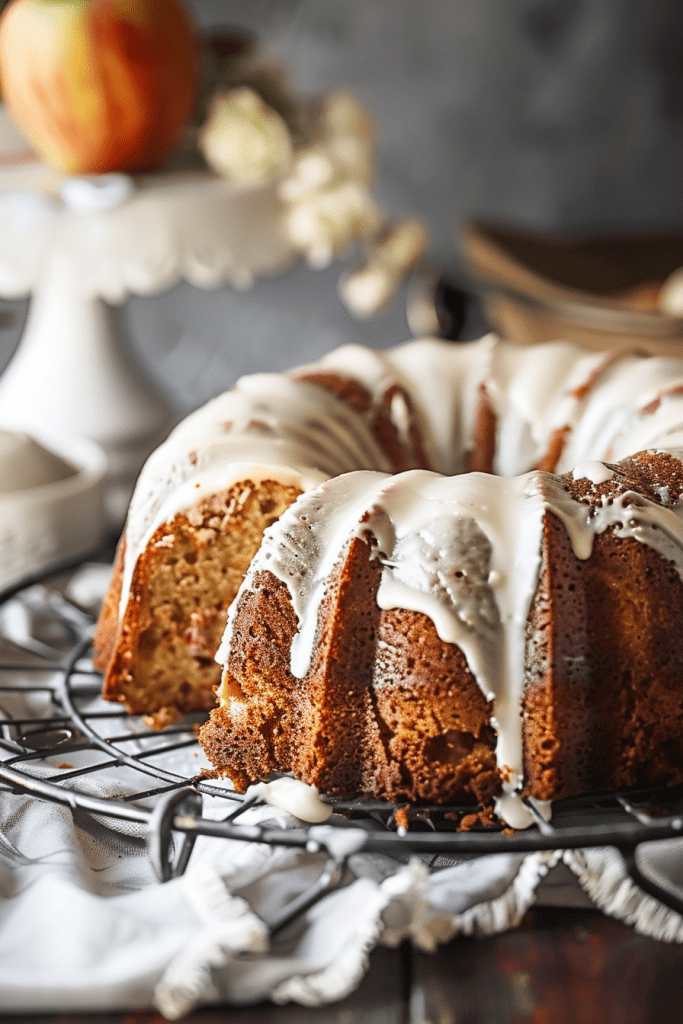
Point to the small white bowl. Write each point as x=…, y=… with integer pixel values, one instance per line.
x=45, y=525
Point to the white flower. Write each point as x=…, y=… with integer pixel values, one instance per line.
x=244, y=139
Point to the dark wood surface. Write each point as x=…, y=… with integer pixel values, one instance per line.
x=559, y=967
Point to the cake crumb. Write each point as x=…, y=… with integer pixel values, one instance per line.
x=161, y=718
x=401, y=817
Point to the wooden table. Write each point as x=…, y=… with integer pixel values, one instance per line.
x=560, y=967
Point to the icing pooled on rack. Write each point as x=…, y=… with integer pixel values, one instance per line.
x=298, y=798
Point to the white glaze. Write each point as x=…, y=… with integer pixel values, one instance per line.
x=443, y=381
x=594, y=472
x=300, y=799
x=339, y=842
x=533, y=393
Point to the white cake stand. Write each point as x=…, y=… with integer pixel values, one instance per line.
x=81, y=246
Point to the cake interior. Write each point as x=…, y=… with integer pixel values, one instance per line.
x=160, y=660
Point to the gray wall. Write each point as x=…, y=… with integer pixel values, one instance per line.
x=562, y=115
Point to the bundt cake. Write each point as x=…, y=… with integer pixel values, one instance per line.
x=405, y=631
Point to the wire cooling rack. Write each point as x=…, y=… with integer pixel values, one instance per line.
x=60, y=742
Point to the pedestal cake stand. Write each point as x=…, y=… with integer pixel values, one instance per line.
x=81, y=246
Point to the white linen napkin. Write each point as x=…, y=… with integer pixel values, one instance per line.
x=84, y=925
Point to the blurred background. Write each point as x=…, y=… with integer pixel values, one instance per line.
x=562, y=115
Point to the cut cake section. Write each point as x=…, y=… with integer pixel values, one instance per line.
x=159, y=658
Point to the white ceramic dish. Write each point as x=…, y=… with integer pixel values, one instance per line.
x=42, y=526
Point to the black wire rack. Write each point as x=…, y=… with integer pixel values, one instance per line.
x=74, y=738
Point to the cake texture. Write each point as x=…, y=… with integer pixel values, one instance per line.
x=201, y=505
x=483, y=562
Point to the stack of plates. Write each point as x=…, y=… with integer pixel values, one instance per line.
x=599, y=292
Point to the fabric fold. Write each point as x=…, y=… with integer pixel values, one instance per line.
x=84, y=924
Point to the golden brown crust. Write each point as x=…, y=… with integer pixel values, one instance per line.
x=433, y=721
x=404, y=451
x=548, y=463
x=605, y=688
x=159, y=660
x=604, y=663
x=344, y=388
x=480, y=459
x=107, y=630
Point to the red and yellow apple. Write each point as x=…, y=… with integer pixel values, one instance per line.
x=99, y=85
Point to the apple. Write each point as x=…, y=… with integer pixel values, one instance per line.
x=99, y=85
